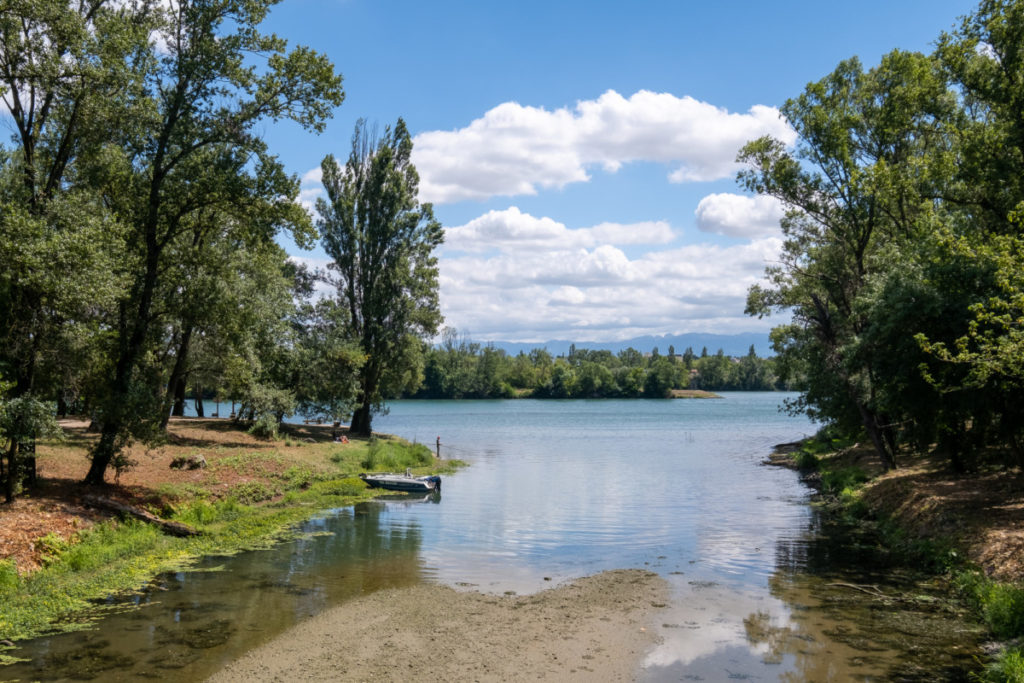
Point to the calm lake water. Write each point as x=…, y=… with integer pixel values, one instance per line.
x=557, y=490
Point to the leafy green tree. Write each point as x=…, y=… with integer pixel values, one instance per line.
x=381, y=241
x=630, y=380
x=194, y=147
x=66, y=79
x=871, y=150
x=632, y=358
x=595, y=380
x=716, y=372
x=661, y=378
x=979, y=258
x=22, y=420
x=522, y=374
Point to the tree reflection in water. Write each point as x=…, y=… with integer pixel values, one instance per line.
x=855, y=613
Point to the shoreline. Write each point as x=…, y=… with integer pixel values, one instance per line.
x=247, y=493
x=600, y=626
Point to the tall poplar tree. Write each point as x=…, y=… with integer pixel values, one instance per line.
x=381, y=241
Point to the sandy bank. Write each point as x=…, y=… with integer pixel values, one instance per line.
x=596, y=628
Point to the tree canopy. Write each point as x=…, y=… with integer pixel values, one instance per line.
x=138, y=203
x=902, y=256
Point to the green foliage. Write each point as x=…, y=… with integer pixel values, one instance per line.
x=345, y=488
x=202, y=513
x=22, y=421
x=460, y=368
x=1001, y=605
x=8, y=577
x=806, y=460
x=842, y=481
x=265, y=427
x=1007, y=667
x=395, y=455
x=297, y=477
x=51, y=546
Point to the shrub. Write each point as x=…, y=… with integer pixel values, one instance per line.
x=1008, y=667
x=1001, y=604
x=298, y=477
x=836, y=481
x=201, y=512
x=51, y=546
x=807, y=461
x=265, y=427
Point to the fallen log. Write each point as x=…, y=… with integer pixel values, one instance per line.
x=169, y=527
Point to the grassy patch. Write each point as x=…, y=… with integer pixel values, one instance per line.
x=395, y=455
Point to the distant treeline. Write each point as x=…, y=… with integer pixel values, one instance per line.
x=459, y=368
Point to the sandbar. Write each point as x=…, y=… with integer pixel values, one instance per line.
x=595, y=628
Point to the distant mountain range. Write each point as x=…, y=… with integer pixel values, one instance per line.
x=731, y=344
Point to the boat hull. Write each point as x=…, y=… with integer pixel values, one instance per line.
x=403, y=482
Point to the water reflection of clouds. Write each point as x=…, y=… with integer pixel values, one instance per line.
x=706, y=621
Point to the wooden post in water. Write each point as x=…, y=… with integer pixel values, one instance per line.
x=438, y=456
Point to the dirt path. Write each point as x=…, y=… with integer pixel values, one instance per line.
x=597, y=628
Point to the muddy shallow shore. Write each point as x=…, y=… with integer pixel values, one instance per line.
x=596, y=628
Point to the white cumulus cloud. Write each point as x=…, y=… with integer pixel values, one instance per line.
x=512, y=229
x=511, y=271
x=517, y=150
x=739, y=216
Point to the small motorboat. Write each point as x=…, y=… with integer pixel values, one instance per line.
x=403, y=482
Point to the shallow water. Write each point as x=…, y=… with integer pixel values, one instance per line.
x=557, y=490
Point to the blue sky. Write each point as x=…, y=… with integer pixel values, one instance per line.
x=580, y=154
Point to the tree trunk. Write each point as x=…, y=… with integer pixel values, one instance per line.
x=134, y=327
x=102, y=454
x=173, y=528
x=12, y=471
x=174, y=402
x=199, y=400
x=178, y=410
x=361, y=421
x=875, y=433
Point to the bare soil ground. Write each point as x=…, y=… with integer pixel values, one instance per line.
x=982, y=513
x=233, y=457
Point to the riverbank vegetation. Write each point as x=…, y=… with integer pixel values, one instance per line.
x=902, y=278
x=63, y=551
x=460, y=368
